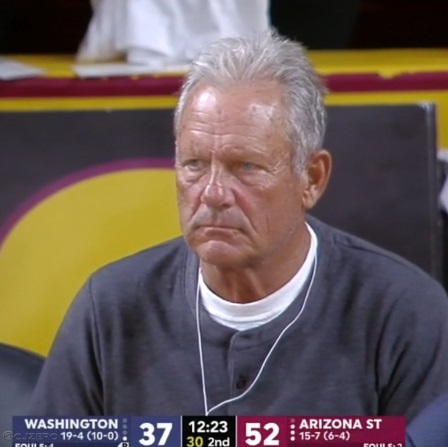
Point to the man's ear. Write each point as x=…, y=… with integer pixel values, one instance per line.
x=316, y=175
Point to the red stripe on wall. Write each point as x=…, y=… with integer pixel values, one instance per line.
x=150, y=86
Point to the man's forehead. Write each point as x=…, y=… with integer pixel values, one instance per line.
x=262, y=98
x=240, y=118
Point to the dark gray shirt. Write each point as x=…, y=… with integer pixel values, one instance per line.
x=372, y=340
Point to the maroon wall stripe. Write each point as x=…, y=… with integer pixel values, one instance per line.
x=150, y=86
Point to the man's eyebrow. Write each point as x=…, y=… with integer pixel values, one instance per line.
x=189, y=148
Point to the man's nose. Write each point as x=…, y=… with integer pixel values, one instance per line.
x=218, y=192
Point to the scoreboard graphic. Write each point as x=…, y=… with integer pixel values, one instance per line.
x=208, y=431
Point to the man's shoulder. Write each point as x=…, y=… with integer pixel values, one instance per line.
x=375, y=265
x=152, y=264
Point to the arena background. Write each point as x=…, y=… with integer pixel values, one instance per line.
x=86, y=173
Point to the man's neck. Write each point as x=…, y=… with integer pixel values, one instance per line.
x=246, y=285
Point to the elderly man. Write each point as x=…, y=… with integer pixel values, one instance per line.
x=258, y=309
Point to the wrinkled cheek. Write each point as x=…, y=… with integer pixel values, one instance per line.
x=278, y=217
x=185, y=210
x=187, y=201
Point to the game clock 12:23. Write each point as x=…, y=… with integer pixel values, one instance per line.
x=208, y=432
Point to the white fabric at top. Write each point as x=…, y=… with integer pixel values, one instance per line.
x=246, y=316
x=163, y=32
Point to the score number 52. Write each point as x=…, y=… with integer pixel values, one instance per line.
x=149, y=436
x=254, y=435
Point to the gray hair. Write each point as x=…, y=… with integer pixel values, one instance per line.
x=267, y=56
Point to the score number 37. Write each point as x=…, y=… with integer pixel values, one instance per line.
x=254, y=436
x=148, y=433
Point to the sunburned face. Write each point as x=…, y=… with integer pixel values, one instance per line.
x=240, y=201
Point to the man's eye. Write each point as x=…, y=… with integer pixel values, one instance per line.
x=248, y=166
x=194, y=164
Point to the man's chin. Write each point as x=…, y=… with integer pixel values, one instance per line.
x=220, y=253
